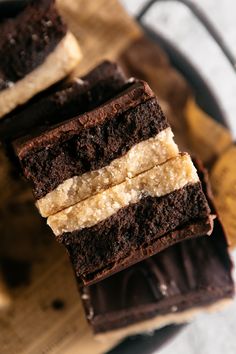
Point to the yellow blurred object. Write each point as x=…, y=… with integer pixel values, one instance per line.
x=5, y=299
x=223, y=180
x=207, y=138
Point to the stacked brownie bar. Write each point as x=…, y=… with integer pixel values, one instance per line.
x=111, y=180
x=108, y=176
x=36, y=51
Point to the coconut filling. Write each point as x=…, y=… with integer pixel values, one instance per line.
x=141, y=157
x=156, y=182
x=58, y=64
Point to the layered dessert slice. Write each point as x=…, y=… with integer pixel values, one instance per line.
x=63, y=101
x=170, y=287
x=134, y=219
x=97, y=150
x=36, y=50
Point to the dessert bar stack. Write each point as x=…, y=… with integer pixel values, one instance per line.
x=36, y=50
x=117, y=191
x=106, y=173
x=113, y=185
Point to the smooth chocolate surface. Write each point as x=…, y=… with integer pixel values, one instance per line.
x=136, y=232
x=27, y=39
x=92, y=140
x=193, y=273
x=63, y=101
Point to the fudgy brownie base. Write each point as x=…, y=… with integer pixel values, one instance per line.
x=64, y=101
x=136, y=232
x=90, y=141
x=27, y=39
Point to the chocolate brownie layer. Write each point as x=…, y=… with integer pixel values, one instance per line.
x=64, y=101
x=27, y=39
x=189, y=276
x=137, y=231
x=91, y=141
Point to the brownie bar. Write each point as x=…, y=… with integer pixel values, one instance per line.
x=166, y=288
x=192, y=274
x=136, y=232
x=90, y=141
x=64, y=101
x=27, y=39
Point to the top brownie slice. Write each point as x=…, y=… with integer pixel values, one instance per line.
x=90, y=141
x=27, y=39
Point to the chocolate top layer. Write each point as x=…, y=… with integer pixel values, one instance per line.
x=63, y=101
x=27, y=39
x=189, y=274
x=92, y=140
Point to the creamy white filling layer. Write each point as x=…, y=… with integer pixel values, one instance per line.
x=58, y=64
x=156, y=182
x=162, y=320
x=139, y=158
